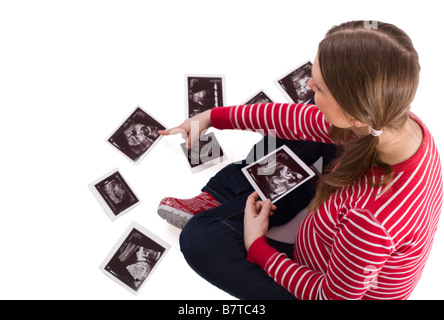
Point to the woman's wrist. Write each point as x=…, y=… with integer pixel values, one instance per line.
x=208, y=122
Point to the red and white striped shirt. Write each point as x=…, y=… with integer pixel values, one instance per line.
x=361, y=243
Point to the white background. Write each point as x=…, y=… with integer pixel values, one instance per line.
x=70, y=71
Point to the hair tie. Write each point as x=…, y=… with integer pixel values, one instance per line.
x=375, y=132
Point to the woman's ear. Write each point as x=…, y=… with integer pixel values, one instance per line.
x=355, y=122
x=359, y=124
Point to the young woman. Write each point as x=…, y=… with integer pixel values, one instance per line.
x=374, y=212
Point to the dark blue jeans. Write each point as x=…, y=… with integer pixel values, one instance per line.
x=212, y=241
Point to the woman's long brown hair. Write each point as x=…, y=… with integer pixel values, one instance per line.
x=373, y=73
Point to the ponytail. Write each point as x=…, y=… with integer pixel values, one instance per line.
x=355, y=159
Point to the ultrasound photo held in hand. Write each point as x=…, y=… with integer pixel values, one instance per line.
x=277, y=174
x=137, y=135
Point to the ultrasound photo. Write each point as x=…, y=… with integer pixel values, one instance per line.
x=134, y=257
x=114, y=194
x=203, y=93
x=294, y=85
x=260, y=97
x=204, y=153
x=277, y=174
x=137, y=135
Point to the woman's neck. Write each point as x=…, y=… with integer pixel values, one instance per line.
x=396, y=146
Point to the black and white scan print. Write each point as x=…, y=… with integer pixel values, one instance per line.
x=277, y=174
x=203, y=93
x=136, y=135
x=294, y=85
x=260, y=97
x=207, y=150
x=134, y=257
x=114, y=194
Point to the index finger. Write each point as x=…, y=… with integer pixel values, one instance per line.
x=175, y=130
x=164, y=132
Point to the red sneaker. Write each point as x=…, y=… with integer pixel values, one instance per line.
x=178, y=211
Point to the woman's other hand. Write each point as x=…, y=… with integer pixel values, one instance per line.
x=256, y=219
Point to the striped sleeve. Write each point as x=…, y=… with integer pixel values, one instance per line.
x=286, y=121
x=361, y=246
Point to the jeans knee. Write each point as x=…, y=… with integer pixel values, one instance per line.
x=192, y=238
